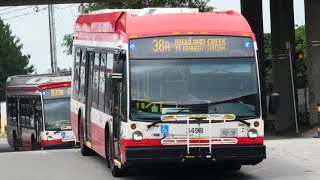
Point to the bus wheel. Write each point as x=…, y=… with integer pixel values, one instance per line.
x=34, y=144
x=85, y=151
x=116, y=172
x=15, y=142
x=107, y=148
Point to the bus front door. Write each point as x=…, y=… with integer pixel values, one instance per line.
x=117, y=117
x=89, y=80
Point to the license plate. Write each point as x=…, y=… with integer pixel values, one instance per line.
x=63, y=134
x=229, y=133
x=68, y=139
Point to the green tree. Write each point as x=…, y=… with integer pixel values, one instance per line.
x=301, y=65
x=138, y=4
x=12, y=61
x=67, y=42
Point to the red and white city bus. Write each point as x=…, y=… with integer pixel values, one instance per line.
x=167, y=85
x=38, y=111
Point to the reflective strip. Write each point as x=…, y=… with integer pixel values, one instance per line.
x=197, y=142
x=117, y=163
x=88, y=144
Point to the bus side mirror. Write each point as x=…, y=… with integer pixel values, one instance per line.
x=274, y=103
x=118, y=65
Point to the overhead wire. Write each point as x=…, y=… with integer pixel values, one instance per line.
x=20, y=9
x=7, y=8
x=25, y=14
x=65, y=7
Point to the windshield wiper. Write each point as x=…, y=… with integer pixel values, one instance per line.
x=154, y=123
x=180, y=110
x=243, y=121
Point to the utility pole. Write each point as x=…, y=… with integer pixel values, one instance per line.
x=81, y=11
x=53, y=47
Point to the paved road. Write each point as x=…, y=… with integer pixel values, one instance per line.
x=293, y=159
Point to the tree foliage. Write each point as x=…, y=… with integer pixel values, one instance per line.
x=12, y=61
x=300, y=65
x=138, y=4
x=301, y=46
x=67, y=42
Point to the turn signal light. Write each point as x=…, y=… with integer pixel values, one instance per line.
x=133, y=126
x=256, y=124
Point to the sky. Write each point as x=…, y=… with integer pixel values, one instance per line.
x=33, y=28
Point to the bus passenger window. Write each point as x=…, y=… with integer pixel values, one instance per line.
x=102, y=81
x=77, y=72
x=95, y=82
x=82, y=73
x=109, y=80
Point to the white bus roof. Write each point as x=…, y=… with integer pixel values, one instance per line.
x=149, y=11
x=37, y=79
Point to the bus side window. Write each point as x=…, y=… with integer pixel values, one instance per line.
x=82, y=73
x=124, y=93
x=27, y=105
x=22, y=111
x=76, y=73
x=14, y=109
x=109, y=67
x=9, y=109
x=32, y=112
x=95, y=82
x=102, y=81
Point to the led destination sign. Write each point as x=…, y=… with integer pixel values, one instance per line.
x=191, y=47
x=60, y=92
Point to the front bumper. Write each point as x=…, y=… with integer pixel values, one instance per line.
x=241, y=154
x=57, y=144
x=64, y=145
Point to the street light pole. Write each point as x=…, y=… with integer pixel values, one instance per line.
x=288, y=44
x=52, y=31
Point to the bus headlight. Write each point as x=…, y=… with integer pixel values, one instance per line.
x=49, y=138
x=137, y=136
x=253, y=134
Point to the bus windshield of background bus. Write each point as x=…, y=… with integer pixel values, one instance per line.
x=57, y=114
x=184, y=86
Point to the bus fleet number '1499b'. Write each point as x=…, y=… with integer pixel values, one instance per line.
x=195, y=130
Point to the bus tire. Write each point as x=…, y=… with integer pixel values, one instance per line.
x=33, y=143
x=15, y=142
x=85, y=151
x=107, y=146
x=116, y=172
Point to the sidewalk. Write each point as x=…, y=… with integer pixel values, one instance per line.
x=3, y=140
x=303, y=133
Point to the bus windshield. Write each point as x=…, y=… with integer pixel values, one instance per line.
x=57, y=114
x=196, y=86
